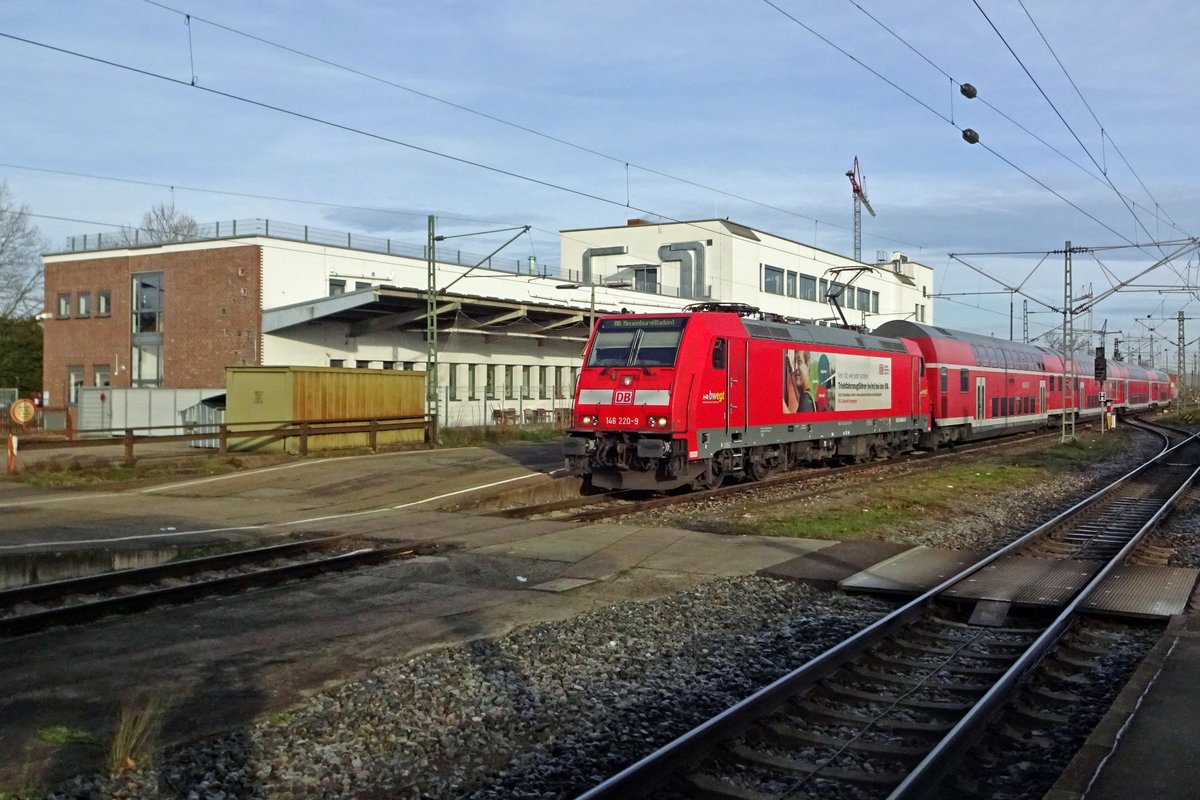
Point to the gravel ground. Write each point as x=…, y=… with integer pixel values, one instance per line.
x=542, y=713
x=550, y=710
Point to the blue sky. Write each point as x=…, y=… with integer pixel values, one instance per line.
x=738, y=97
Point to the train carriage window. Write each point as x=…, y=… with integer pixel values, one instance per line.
x=975, y=353
x=945, y=375
x=995, y=406
x=964, y=379
x=718, y=354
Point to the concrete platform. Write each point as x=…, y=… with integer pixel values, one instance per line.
x=1148, y=745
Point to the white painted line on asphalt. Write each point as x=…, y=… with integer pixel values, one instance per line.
x=265, y=525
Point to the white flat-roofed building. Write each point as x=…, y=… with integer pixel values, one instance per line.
x=509, y=342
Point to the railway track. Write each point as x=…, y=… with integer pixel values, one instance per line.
x=32, y=608
x=886, y=713
x=611, y=505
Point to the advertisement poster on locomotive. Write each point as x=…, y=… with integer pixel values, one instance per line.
x=816, y=381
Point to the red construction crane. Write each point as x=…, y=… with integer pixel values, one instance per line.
x=859, y=186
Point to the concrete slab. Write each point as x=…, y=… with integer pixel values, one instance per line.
x=912, y=572
x=1149, y=743
x=719, y=554
x=569, y=544
x=829, y=565
x=561, y=585
x=630, y=552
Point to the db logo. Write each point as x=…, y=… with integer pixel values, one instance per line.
x=623, y=397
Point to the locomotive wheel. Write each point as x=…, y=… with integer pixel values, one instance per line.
x=758, y=470
x=707, y=479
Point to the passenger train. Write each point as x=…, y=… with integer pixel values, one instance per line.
x=687, y=399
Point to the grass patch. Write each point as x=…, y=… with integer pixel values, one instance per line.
x=874, y=510
x=498, y=434
x=61, y=734
x=83, y=471
x=135, y=733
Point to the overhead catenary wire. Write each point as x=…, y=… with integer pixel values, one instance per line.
x=619, y=160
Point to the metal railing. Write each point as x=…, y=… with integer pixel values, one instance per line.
x=292, y=232
x=245, y=436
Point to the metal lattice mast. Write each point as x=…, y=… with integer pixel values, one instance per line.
x=1025, y=317
x=431, y=327
x=1068, y=409
x=1181, y=362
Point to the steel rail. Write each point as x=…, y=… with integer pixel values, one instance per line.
x=658, y=767
x=923, y=778
x=92, y=610
x=87, y=584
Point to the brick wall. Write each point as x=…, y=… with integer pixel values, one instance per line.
x=211, y=315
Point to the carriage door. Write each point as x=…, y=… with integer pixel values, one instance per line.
x=736, y=384
x=1041, y=397
x=980, y=398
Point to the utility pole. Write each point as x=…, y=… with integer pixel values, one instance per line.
x=1179, y=389
x=1025, y=316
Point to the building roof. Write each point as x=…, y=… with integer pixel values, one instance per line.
x=389, y=308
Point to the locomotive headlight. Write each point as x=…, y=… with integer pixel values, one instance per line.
x=627, y=380
x=586, y=419
x=662, y=422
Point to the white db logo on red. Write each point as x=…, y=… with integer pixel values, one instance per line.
x=623, y=397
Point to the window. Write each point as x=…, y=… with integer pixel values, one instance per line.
x=388, y=364
x=64, y=306
x=452, y=381
x=718, y=354
x=362, y=285
x=103, y=304
x=864, y=299
x=101, y=375
x=772, y=280
x=574, y=380
x=847, y=295
x=472, y=388
x=145, y=365
x=360, y=364
x=509, y=389
x=645, y=279
x=544, y=383
x=84, y=305
x=824, y=290
x=975, y=353
x=874, y=302
x=808, y=287
x=74, y=384
x=558, y=382
x=964, y=380
x=336, y=286
x=489, y=384
x=147, y=302
x=337, y=362
x=652, y=342
x=526, y=382
x=791, y=284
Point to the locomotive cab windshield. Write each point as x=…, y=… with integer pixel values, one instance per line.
x=641, y=342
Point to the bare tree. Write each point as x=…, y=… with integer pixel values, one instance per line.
x=21, y=248
x=163, y=223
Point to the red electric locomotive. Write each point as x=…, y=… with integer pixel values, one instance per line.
x=670, y=400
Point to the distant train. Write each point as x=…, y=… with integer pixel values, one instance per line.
x=690, y=398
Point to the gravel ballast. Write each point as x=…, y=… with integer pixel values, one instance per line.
x=542, y=713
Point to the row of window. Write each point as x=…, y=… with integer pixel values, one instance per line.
x=789, y=283
x=83, y=305
x=1003, y=358
x=518, y=381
